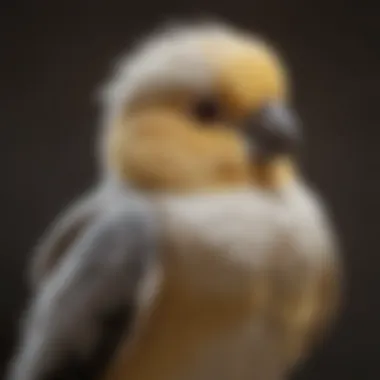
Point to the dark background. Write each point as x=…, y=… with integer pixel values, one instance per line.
x=54, y=55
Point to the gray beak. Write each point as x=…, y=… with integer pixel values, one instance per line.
x=274, y=130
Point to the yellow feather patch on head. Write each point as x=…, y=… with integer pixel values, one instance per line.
x=249, y=72
x=157, y=144
x=160, y=149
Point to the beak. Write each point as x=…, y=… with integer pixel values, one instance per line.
x=273, y=131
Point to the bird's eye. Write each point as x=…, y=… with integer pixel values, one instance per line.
x=207, y=110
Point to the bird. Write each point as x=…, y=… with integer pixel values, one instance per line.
x=202, y=252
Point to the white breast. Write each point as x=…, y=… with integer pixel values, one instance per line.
x=222, y=241
x=223, y=246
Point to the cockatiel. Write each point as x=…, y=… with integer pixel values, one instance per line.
x=202, y=254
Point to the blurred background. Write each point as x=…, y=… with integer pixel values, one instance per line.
x=54, y=55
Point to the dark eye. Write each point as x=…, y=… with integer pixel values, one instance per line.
x=207, y=110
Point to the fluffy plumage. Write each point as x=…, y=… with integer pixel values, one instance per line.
x=245, y=273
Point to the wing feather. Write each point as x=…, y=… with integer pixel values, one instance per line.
x=90, y=300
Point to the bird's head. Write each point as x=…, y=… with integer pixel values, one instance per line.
x=201, y=108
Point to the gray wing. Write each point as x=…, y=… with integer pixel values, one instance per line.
x=84, y=306
x=61, y=234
